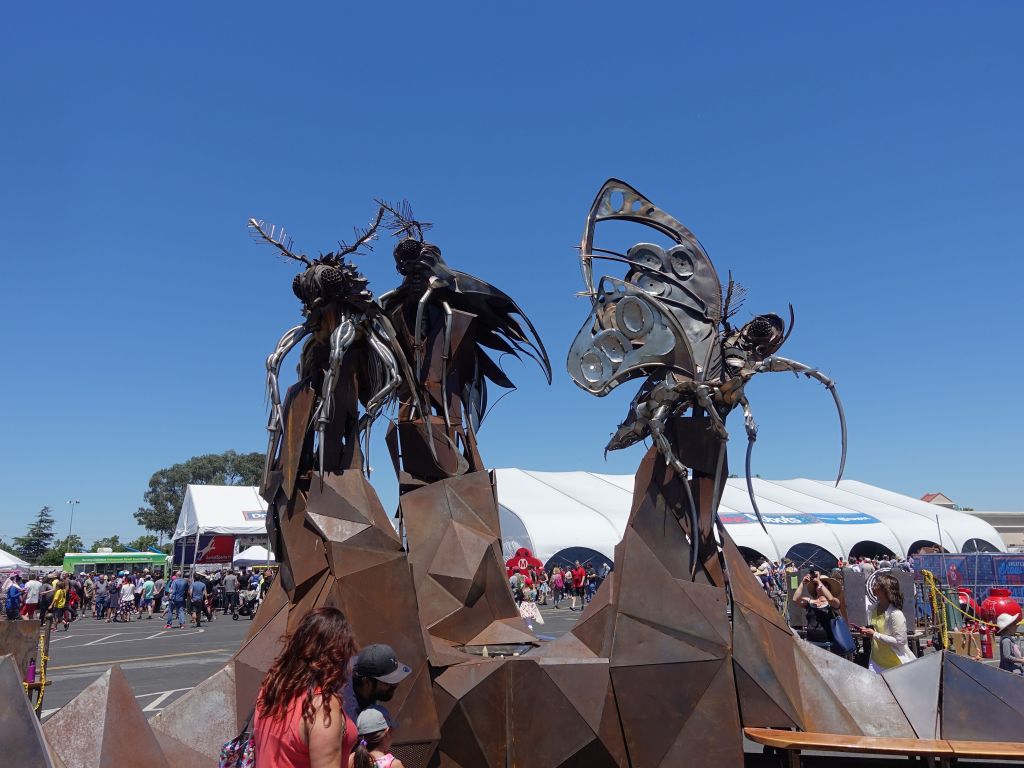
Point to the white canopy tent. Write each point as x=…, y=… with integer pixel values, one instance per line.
x=254, y=555
x=238, y=510
x=548, y=512
x=10, y=562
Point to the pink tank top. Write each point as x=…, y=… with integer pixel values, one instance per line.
x=384, y=762
x=279, y=741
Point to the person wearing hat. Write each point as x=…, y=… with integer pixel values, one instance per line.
x=1011, y=658
x=815, y=595
x=373, y=750
x=376, y=674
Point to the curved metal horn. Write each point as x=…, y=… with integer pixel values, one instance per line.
x=779, y=364
x=751, y=426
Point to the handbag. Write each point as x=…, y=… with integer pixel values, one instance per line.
x=841, y=637
x=240, y=752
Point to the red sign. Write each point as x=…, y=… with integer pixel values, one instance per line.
x=215, y=549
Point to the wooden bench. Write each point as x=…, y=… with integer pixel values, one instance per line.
x=928, y=750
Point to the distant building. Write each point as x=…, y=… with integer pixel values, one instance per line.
x=940, y=499
x=1010, y=526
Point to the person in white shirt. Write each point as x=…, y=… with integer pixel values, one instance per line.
x=32, y=589
x=127, y=605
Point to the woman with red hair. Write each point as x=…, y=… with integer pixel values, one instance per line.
x=299, y=721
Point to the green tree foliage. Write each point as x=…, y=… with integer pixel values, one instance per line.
x=55, y=555
x=111, y=542
x=167, y=486
x=38, y=539
x=143, y=543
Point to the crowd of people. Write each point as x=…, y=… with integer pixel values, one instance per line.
x=535, y=586
x=64, y=598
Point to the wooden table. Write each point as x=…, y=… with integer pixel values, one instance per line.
x=945, y=751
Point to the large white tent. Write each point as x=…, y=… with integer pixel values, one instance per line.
x=552, y=511
x=10, y=562
x=238, y=510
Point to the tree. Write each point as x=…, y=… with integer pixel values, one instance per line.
x=38, y=539
x=143, y=543
x=167, y=486
x=55, y=555
x=113, y=543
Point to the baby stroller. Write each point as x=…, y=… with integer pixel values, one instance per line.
x=250, y=602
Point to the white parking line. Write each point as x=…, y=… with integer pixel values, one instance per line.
x=153, y=706
x=99, y=640
x=107, y=641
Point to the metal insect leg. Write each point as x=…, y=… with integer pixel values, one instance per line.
x=751, y=426
x=445, y=354
x=379, y=398
x=656, y=425
x=341, y=339
x=417, y=335
x=781, y=364
x=275, y=424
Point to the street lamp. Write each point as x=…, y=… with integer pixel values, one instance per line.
x=71, y=524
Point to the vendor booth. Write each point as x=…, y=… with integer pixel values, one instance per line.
x=253, y=556
x=212, y=518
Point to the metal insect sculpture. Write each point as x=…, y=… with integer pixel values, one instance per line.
x=668, y=322
x=339, y=311
x=448, y=322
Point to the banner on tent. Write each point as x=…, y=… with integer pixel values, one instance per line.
x=800, y=518
x=212, y=550
x=977, y=572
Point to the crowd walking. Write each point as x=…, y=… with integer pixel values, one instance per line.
x=62, y=599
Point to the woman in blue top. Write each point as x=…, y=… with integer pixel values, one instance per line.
x=14, y=592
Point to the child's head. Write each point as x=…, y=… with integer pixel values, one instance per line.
x=374, y=734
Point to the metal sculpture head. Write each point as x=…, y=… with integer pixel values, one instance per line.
x=329, y=278
x=663, y=316
x=667, y=321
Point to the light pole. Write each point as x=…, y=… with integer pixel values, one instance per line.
x=71, y=524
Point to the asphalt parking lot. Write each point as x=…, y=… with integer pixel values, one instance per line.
x=160, y=664
x=164, y=664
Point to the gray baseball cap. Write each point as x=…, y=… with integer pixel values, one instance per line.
x=371, y=720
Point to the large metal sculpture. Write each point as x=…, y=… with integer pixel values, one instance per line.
x=679, y=648
x=448, y=324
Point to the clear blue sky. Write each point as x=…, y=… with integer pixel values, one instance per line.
x=862, y=162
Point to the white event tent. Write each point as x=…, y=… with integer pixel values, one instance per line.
x=10, y=562
x=238, y=510
x=254, y=555
x=553, y=513
x=549, y=512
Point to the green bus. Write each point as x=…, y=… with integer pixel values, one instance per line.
x=112, y=563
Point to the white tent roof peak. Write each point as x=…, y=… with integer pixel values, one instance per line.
x=228, y=509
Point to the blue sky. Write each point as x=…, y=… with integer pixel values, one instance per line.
x=864, y=164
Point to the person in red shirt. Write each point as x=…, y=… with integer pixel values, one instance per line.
x=579, y=585
x=299, y=718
